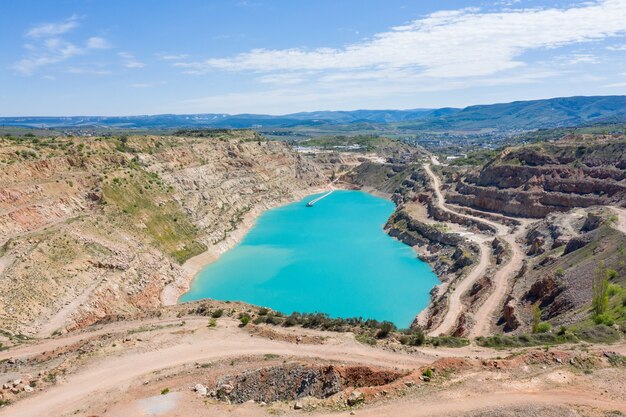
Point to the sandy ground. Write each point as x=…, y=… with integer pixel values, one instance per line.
x=124, y=376
x=621, y=218
x=483, y=318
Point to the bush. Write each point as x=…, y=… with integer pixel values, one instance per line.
x=543, y=327
x=384, y=330
x=165, y=391
x=599, y=334
x=428, y=373
x=212, y=323
x=217, y=313
x=263, y=311
x=604, y=319
x=416, y=338
x=290, y=321
x=245, y=319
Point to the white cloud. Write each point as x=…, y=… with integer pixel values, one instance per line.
x=52, y=51
x=130, y=61
x=87, y=71
x=142, y=85
x=615, y=85
x=53, y=29
x=47, y=47
x=447, y=44
x=581, y=59
x=616, y=48
x=97, y=42
x=171, y=57
x=344, y=94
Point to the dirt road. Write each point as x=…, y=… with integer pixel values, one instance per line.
x=199, y=345
x=483, y=317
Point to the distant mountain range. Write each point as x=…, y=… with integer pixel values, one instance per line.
x=518, y=115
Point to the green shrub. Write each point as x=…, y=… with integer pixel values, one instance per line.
x=217, y=313
x=212, y=323
x=165, y=391
x=543, y=327
x=598, y=334
x=263, y=311
x=604, y=319
x=428, y=373
x=245, y=319
x=384, y=330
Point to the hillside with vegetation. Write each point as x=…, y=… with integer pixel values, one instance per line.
x=96, y=226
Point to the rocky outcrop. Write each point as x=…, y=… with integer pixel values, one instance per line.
x=576, y=243
x=592, y=222
x=414, y=232
x=295, y=380
x=537, y=180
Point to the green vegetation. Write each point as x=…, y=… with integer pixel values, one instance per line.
x=595, y=334
x=476, y=158
x=359, y=142
x=600, y=284
x=609, y=299
x=537, y=325
x=244, y=319
x=217, y=313
x=144, y=200
x=165, y=391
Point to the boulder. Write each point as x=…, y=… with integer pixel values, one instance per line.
x=201, y=390
x=355, y=398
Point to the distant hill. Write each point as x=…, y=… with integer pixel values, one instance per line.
x=518, y=115
x=556, y=112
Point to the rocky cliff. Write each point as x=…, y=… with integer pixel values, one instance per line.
x=93, y=226
x=536, y=180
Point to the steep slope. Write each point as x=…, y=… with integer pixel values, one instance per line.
x=535, y=180
x=97, y=226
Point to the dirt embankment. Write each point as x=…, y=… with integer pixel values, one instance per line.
x=182, y=366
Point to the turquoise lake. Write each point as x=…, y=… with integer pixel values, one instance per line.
x=333, y=258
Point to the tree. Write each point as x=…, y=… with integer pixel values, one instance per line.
x=600, y=286
x=536, y=318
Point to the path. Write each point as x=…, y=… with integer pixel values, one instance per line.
x=483, y=317
x=473, y=402
x=201, y=346
x=455, y=307
x=59, y=320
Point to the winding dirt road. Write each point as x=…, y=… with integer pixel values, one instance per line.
x=197, y=344
x=484, y=316
x=104, y=376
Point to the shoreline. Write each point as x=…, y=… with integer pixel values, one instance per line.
x=193, y=266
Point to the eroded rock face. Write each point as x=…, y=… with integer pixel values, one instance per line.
x=537, y=180
x=576, y=243
x=294, y=381
x=69, y=240
x=592, y=222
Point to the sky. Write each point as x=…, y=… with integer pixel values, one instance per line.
x=133, y=57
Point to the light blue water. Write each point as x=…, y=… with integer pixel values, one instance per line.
x=333, y=258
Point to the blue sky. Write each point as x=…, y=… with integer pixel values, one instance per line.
x=113, y=57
